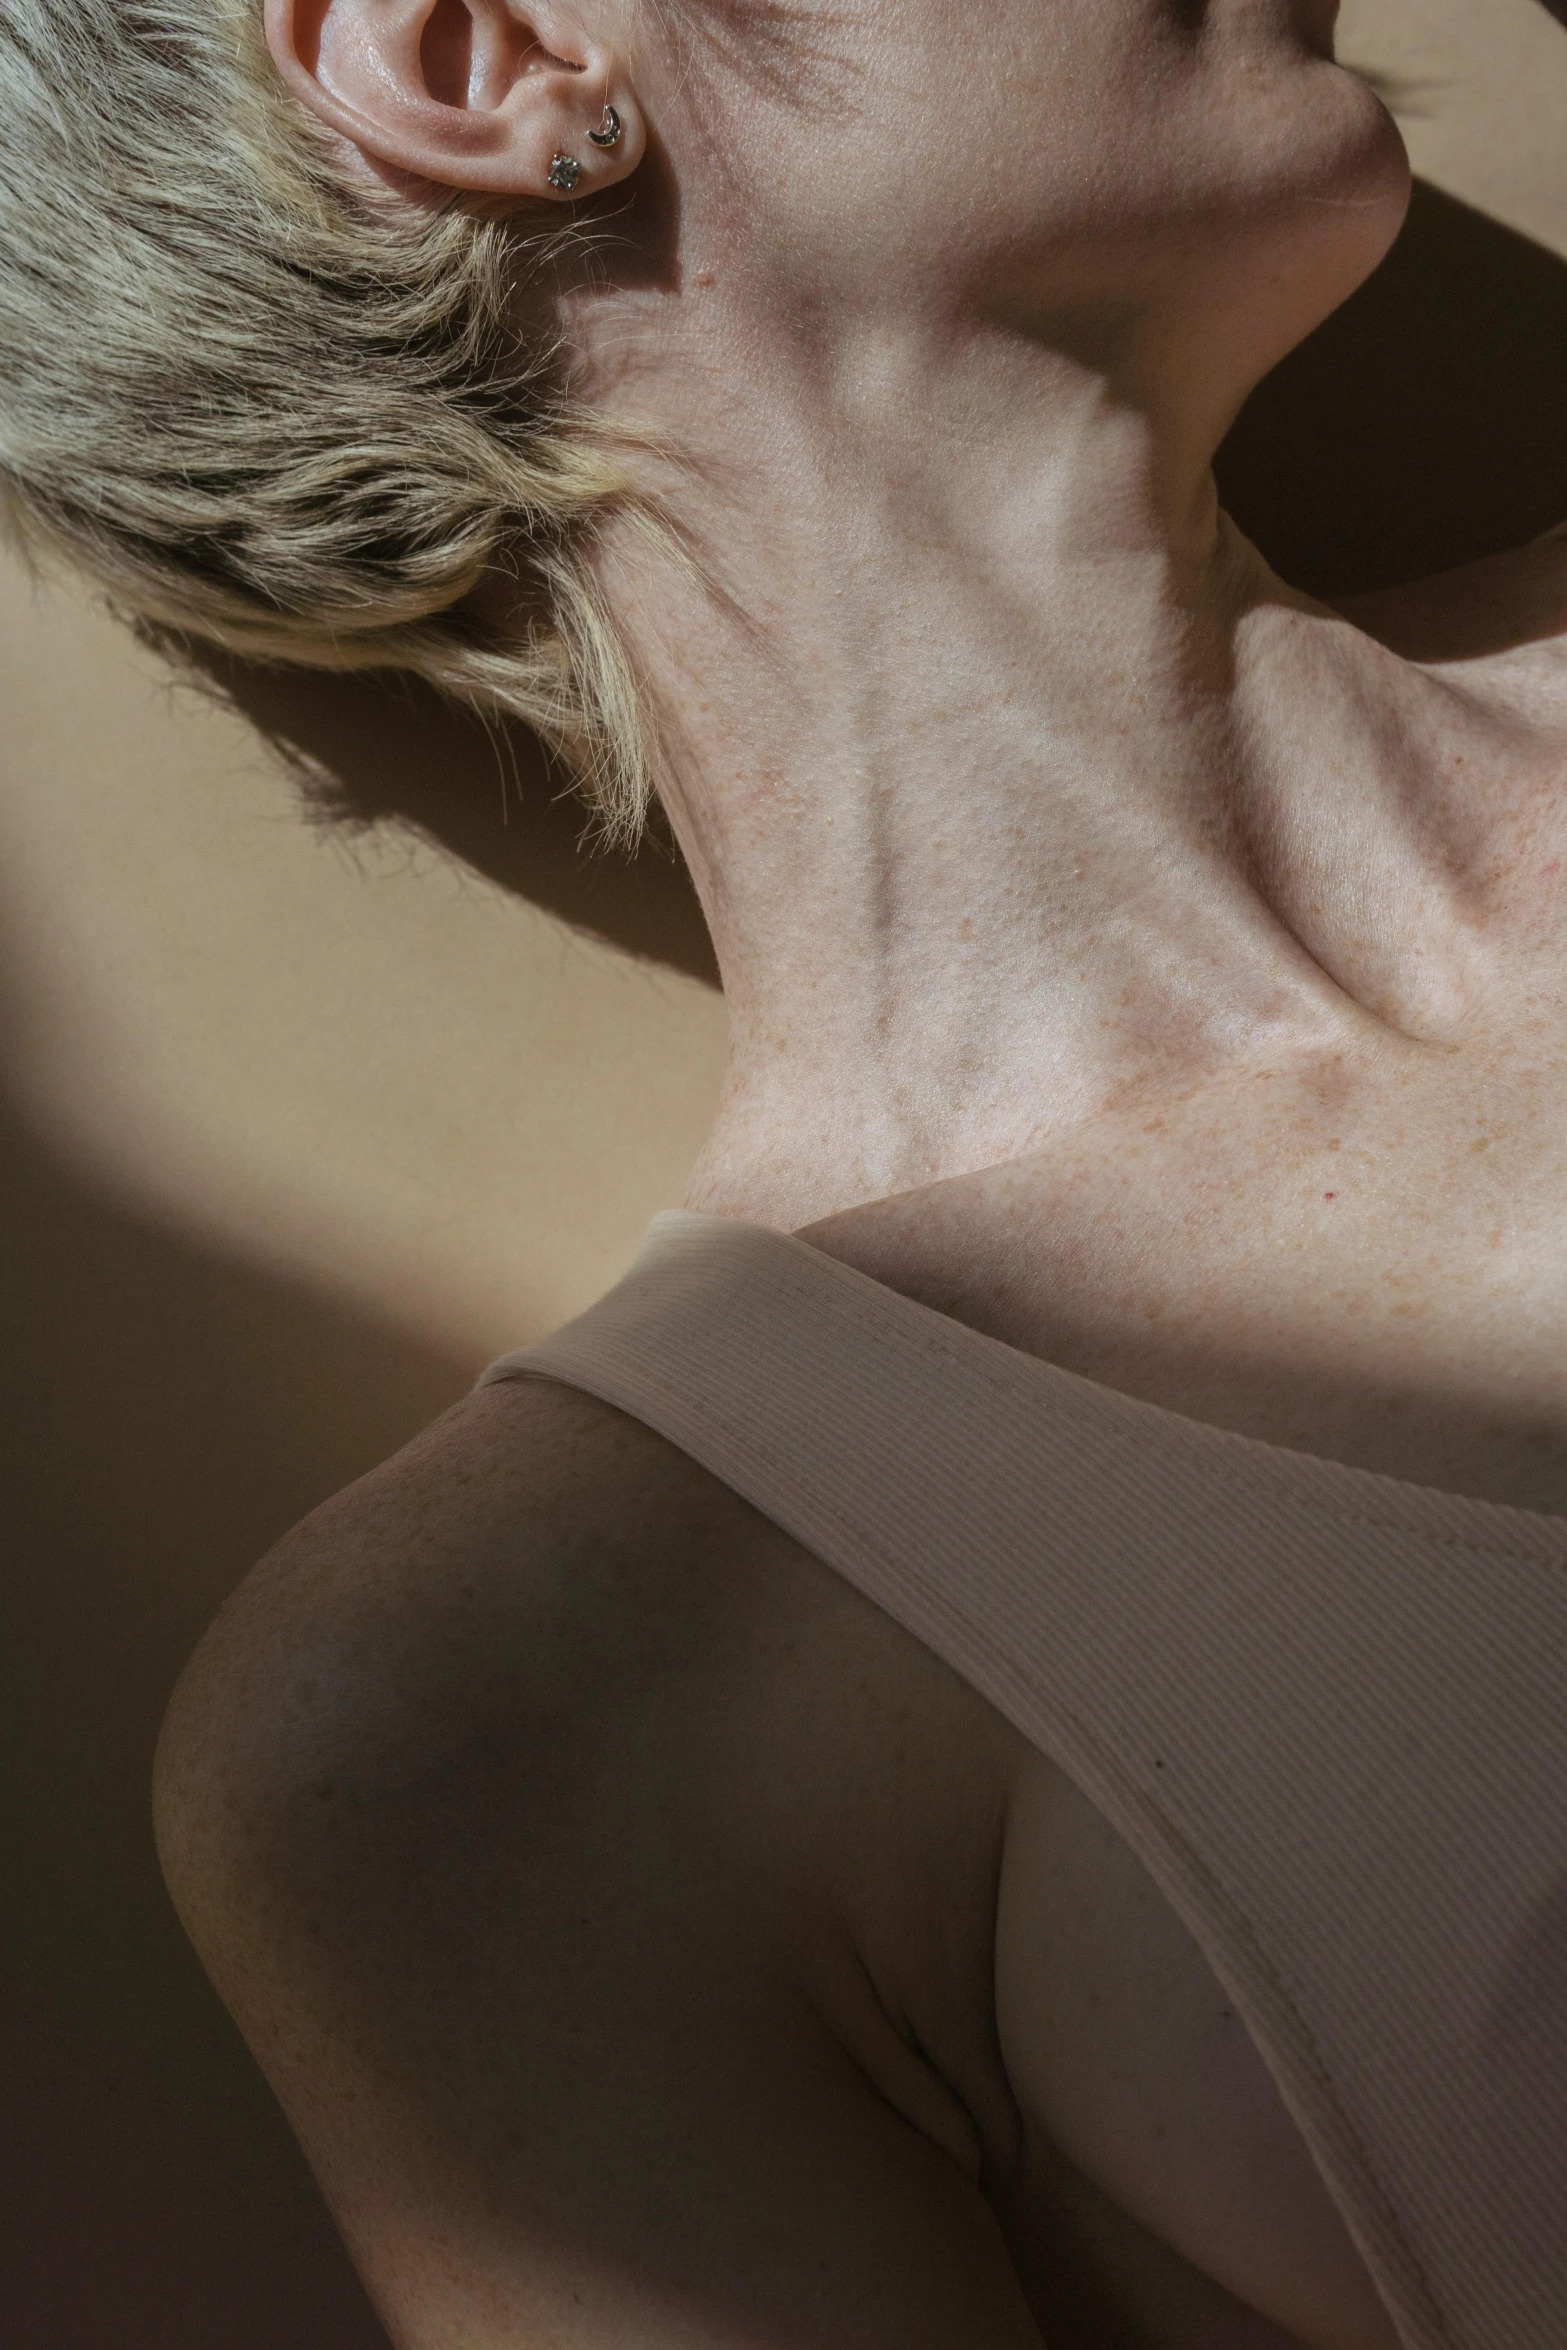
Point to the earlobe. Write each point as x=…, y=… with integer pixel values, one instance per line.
x=501, y=96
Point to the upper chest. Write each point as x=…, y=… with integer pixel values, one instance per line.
x=1360, y=1253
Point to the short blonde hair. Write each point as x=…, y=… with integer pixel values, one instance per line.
x=267, y=407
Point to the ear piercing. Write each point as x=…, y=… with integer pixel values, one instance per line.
x=565, y=170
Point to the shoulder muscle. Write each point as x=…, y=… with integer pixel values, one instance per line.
x=450, y=1845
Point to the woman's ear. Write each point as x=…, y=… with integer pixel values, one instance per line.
x=512, y=97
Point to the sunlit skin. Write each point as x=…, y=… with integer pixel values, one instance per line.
x=1124, y=953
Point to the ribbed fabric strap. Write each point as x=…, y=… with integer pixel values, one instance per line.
x=1326, y=1709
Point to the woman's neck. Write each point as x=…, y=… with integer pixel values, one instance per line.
x=1014, y=785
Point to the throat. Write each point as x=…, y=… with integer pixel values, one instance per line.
x=1008, y=814
x=959, y=1047
x=966, y=936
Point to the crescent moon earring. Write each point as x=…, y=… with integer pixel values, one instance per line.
x=609, y=130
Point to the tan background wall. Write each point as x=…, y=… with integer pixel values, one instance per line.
x=304, y=1119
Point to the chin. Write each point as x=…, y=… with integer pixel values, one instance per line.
x=1327, y=128
x=1319, y=212
x=1355, y=190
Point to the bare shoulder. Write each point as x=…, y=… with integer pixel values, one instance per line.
x=522, y=1805
x=480, y=1630
x=440, y=1588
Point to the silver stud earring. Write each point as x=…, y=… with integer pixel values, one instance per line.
x=609, y=130
x=565, y=171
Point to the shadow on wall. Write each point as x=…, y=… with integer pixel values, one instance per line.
x=389, y=750
x=1422, y=425
x=167, y=1415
